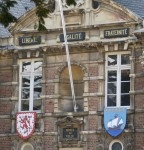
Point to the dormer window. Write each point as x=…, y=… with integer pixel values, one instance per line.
x=95, y=4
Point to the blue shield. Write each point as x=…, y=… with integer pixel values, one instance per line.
x=114, y=120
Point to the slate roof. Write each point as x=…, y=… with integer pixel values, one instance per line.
x=4, y=32
x=136, y=6
x=20, y=8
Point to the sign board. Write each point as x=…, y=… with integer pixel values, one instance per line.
x=70, y=133
x=25, y=124
x=114, y=120
x=29, y=40
x=113, y=33
x=78, y=36
x=71, y=148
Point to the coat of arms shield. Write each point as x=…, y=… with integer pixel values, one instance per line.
x=25, y=124
x=114, y=120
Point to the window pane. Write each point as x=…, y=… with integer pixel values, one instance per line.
x=111, y=88
x=25, y=87
x=24, y=105
x=112, y=76
x=95, y=4
x=25, y=93
x=37, y=86
x=37, y=81
x=26, y=67
x=116, y=146
x=37, y=92
x=112, y=60
x=27, y=147
x=125, y=100
x=38, y=66
x=37, y=104
x=111, y=100
x=125, y=75
x=125, y=87
x=31, y=87
x=125, y=59
x=26, y=81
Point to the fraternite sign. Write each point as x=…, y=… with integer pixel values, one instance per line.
x=77, y=36
x=123, y=32
x=29, y=40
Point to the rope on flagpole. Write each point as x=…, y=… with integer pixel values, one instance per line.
x=68, y=57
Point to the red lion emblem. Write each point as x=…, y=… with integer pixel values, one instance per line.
x=25, y=124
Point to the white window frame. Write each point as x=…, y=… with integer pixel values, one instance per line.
x=31, y=74
x=115, y=141
x=111, y=68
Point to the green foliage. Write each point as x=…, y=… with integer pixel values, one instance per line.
x=41, y=27
x=42, y=11
x=5, y=16
x=71, y=2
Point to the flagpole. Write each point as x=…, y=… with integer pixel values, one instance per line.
x=68, y=57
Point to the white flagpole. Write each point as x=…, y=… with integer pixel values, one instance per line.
x=68, y=57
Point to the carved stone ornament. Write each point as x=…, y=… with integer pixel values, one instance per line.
x=69, y=128
x=36, y=142
x=142, y=58
x=69, y=120
x=78, y=4
x=51, y=5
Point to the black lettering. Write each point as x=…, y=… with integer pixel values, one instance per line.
x=116, y=33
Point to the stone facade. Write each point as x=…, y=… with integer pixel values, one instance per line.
x=94, y=29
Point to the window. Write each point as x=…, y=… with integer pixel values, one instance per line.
x=116, y=145
x=95, y=4
x=27, y=146
x=117, y=80
x=66, y=103
x=30, y=85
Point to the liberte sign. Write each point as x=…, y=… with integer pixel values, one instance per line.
x=29, y=40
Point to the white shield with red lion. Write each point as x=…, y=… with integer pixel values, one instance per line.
x=25, y=124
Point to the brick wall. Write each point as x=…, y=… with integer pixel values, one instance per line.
x=93, y=86
x=5, y=107
x=93, y=71
x=92, y=122
x=50, y=73
x=49, y=143
x=5, y=76
x=5, y=91
x=49, y=106
x=139, y=101
x=91, y=142
x=50, y=89
x=139, y=120
x=49, y=124
x=5, y=126
x=5, y=143
x=139, y=141
x=93, y=104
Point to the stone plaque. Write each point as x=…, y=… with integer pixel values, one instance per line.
x=124, y=32
x=29, y=40
x=77, y=36
x=71, y=148
x=70, y=133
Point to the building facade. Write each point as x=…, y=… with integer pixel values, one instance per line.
x=105, y=45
